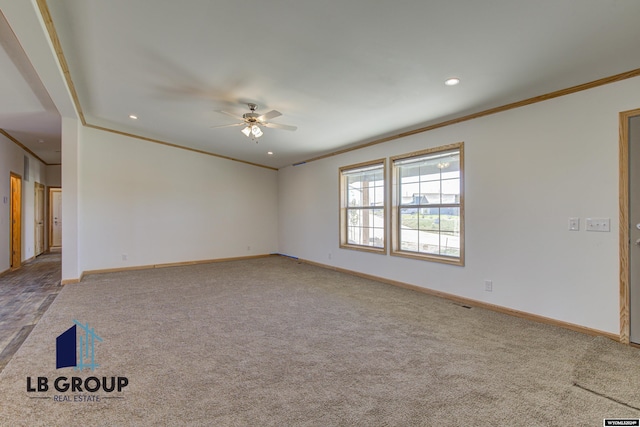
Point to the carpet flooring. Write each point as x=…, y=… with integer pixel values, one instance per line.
x=275, y=342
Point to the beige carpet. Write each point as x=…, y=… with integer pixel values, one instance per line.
x=610, y=370
x=273, y=342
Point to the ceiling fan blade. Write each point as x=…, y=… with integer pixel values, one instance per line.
x=268, y=116
x=280, y=126
x=235, y=116
x=227, y=126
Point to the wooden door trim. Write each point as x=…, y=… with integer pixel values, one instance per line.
x=625, y=315
x=14, y=262
x=50, y=216
x=37, y=185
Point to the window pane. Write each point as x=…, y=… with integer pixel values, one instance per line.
x=431, y=192
x=429, y=220
x=355, y=235
x=377, y=194
x=451, y=191
x=357, y=217
x=450, y=220
x=429, y=171
x=408, y=190
x=409, y=171
x=409, y=218
x=363, y=198
x=427, y=185
x=377, y=217
x=363, y=228
x=378, y=237
x=408, y=239
x=365, y=188
x=440, y=234
x=429, y=231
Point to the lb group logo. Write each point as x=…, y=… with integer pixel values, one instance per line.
x=77, y=351
x=76, y=348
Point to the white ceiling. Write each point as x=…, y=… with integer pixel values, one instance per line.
x=344, y=72
x=27, y=113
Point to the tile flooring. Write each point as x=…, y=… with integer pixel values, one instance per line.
x=25, y=294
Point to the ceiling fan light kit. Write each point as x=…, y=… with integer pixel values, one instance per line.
x=252, y=122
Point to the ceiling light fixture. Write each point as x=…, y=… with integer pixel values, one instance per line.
x=133, y=117
x=452, y=81
x=270, y=153
x=252, y=131
x=256, y=131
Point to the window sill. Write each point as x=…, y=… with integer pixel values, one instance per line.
x=382, y=251
x=428, y=257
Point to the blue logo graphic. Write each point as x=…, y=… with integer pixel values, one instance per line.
x=77, y=350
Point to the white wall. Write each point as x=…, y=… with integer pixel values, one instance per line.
x=12, y=160
x=71, y=149
x=527, y=171
x=54, y=175
x=159, y=204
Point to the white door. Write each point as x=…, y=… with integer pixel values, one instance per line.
x=634, y=228
x=56, y=218
x=39, y=218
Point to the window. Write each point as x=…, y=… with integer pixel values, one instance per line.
x=428, y=205
x=362, y=206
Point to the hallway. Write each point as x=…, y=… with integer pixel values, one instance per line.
x=25, y=294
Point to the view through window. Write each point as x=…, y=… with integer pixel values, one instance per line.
x=362, y=202
x=428, y=206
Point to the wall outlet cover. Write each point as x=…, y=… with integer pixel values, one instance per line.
x=574, y=224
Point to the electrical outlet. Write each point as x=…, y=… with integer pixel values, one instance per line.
x=488, y=285
x=124, y=257
x=329, y=255
x=248, y=248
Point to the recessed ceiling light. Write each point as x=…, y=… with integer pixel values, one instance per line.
x=452, y=81
x=41, y=141
x=133, y=117
x=270, y=153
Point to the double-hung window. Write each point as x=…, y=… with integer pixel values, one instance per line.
x=362, y=206
x=428, y=204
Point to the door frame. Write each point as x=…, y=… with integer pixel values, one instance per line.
x=625, y=286
x=50, y=216
x=36, y=186
x=15, y=214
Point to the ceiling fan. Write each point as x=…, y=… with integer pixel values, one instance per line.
x=252, y=122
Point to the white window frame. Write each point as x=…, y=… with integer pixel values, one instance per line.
x=397, y=205
x=345, y=208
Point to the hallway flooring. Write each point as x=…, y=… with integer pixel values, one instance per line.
x=25, y=294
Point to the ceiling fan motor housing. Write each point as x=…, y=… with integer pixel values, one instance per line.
x=251, y=117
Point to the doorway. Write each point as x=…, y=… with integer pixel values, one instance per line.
x=16, y=221
x=55, y=218
x=39, y=218
x=630, y=226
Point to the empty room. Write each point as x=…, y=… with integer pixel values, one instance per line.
x=250, y=213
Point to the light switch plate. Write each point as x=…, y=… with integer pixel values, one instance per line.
x=574, y=224
x=598, y=224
